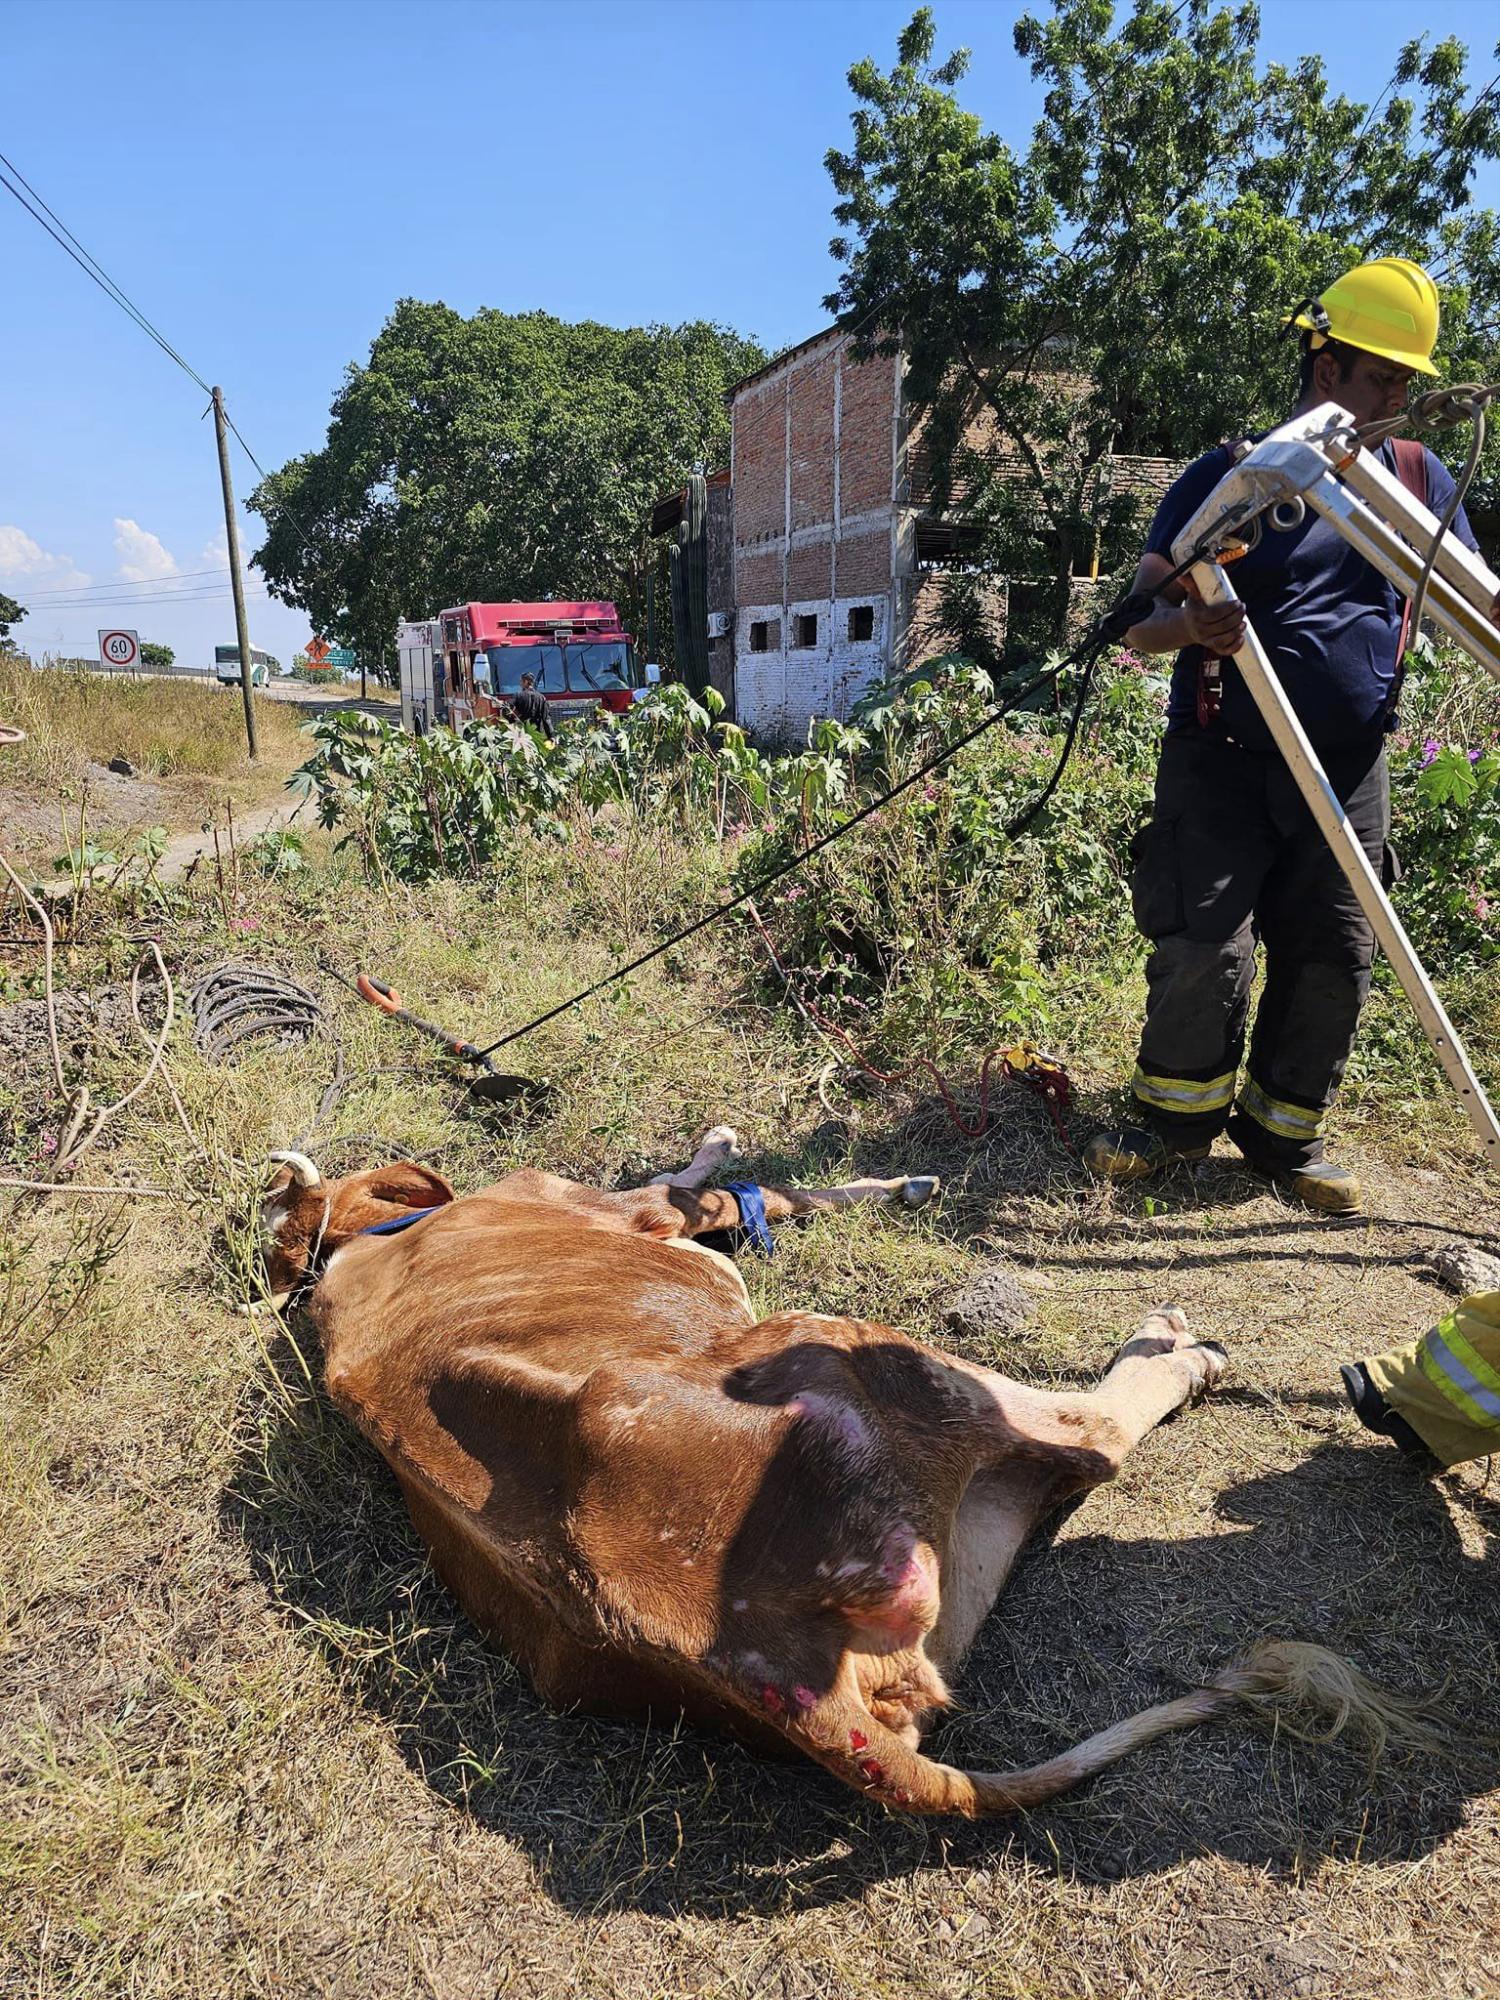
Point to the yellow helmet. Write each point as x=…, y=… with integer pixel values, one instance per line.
x=1389, y=307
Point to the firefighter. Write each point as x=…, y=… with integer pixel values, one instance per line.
x=530, y=706
x=1438, y=1398
x=1232, y=856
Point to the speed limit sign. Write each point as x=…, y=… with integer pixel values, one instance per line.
x=118, y=649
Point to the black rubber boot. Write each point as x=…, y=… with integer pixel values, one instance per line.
x=1376, y=1414
x=1318, y=1184
x=1133, y=1153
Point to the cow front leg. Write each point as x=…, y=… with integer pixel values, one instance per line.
x=716, y=1208
x=1046, y=1448
x=718, y=1144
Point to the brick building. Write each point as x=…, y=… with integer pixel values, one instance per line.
x=825, y=555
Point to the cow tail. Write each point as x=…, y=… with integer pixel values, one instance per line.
x=1304, y=1689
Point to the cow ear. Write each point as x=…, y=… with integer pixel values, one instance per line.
x=406, y=1184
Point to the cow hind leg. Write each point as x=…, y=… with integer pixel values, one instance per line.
x=1068, y=1444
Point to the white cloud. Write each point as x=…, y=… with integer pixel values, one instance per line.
x=25, y=562
x=215, y=554
x=141, y=554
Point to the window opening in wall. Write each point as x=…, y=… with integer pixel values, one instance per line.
x=760, y=636
x=862, y=621
x=805, y=629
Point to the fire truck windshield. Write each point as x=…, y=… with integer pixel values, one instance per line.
x=597, y=667
x=600, y=666
x=543, y=663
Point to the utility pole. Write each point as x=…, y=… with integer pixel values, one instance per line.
x=236, y=581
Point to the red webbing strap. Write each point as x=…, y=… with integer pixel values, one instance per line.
x=1411, y=470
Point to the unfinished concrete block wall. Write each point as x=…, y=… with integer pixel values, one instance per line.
x=815, y=476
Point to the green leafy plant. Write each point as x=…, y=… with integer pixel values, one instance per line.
x=278, y=852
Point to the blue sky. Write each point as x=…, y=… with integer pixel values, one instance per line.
x=266, y=180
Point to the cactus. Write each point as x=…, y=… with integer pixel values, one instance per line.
x=681, y=638
x=689, y=573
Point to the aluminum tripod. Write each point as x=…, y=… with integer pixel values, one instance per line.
x=1314, y=461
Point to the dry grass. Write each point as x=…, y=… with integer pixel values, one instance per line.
x=162, y=728
x=250, y=1749
x=184, y=741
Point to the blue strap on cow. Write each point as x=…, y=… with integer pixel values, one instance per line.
x=753, y=1215
x=399, y=1222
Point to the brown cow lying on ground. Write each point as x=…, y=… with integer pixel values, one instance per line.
x=790, y=1529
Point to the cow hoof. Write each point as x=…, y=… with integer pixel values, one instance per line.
x=1209, y=1365
x=1169, y=1320
x=917, y=1189
x=1160, y=1332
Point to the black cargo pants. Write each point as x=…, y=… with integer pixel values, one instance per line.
x=1232, y=857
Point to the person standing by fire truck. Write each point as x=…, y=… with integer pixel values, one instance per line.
x=1232, y=855
x=530, y=706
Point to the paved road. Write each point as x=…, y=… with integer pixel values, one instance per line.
x=337, y=697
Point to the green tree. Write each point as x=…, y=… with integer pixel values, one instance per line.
x=1120, y=287
x=11, y=613
x=504, y=456
x=155, y=655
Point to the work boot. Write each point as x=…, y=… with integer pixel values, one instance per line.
x=1133, y=1152
x=1376, y=1414
x=1320, y=1186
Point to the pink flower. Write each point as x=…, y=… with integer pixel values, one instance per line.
x=49, y=1143
x=245, y=923
x=1430, y=750
x=1482, y=908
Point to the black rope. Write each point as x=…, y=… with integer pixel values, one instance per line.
x=1113, y=625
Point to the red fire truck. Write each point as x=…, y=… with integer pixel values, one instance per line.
x=579, y=657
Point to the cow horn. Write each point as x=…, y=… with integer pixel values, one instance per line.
x=304, y=1173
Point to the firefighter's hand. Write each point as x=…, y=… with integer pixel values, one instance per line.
x=1217, y=628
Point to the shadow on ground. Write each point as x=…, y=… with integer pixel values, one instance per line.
x=1347, y=1547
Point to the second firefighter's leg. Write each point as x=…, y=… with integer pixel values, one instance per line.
x=1319, y=948
x=1199, y=867
x=1439, y=1395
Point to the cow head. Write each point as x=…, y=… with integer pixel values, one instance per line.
x=304, y=1218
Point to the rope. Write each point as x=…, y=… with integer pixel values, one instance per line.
x=1449, y=515
x=237, y=1003
x=1054, y=1096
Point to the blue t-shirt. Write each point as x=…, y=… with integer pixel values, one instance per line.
x=1328, y=619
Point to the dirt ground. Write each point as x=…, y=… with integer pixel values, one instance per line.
x=248, y=1748
x=120, y=806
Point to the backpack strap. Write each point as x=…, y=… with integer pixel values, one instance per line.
x=1411, y=470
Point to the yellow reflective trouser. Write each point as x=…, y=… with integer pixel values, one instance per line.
x=1447, y=1384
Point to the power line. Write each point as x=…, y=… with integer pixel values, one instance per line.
x=129, y=583
x=39, y=212
x=91, y=266
x=133, y=603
